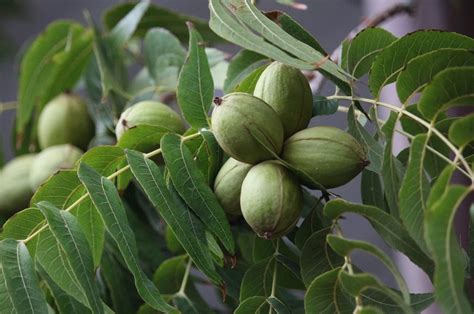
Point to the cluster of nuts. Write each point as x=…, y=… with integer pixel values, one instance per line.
x=64, y=129
x=254, y=129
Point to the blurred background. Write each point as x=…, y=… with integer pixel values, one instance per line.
x=330, y=21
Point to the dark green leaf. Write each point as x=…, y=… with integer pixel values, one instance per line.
x=394, y=58
x=461, y=131
x=257, y=280
x=324, y=106
x=64, y=47
x=372, y=190
x=414, y=191
x=278, y=305
x=252, y=305
x=70, y=237
x=191, y=185
x=414, y=77
x=447, y=253
x=105, y=197
x=19, y=287
x=388, y=227
x=241, y=66
x=195, y=85
x=325, y=295
x=317, y=257
x=453, y=86
x=364, y=48
x=188, y=230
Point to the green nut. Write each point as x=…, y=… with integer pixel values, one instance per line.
x=149, y=113
x=271, y=200
x=228, y=184
x=15, y=191
x=287, y=91
x=328, y=155
x=51, y=160
x=65, y=120
x=247, y=128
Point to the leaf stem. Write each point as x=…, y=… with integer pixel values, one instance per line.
x=182, y=289
x=427, y=125
x=110, y=177
x=9, y=105
x=274, y=279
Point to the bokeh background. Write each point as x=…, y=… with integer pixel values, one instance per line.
x=328, y=20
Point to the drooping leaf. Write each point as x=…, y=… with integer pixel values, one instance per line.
x=388, y=227
x=414, y=191
x=192, y=187
x=195, y=85
x=157, y=16
x=325, y=295
x=72, y=241
x=447, y=254
x=188, y=230
x=364, y=48
x=461, y=131
x=414, y=77
x=19, y=287
x=105, y=197
x=64, y=47
x=392, y=60
x=344, y=247
x=127, y=25
x=317, y=257
x=164, y=57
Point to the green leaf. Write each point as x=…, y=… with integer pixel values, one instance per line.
x=64, y=47
x=195, y=85
x=211, y=154
x=247, y=85
x=364, y=48
x=344, y=247
x=369, y=310
x=164, y=56
x=390, y=174
x=317, y=257
x=372, y=190
x=105, y=197
x=393, y=59
x=157, y=16
x=257, y=280
x=448, y=256
x=168, y=277
x=419, y=302
x=451, y=87
x=23, y=224
x=414, y=77
x=252, y=305
x=414, y=191
x=461, y=131
x=374, y=149
x=325, y=295
x=388, y=227
x=278, y=305
x=125, y=28
x=104, y=159
x=357, y=284
x=241, y=66
x=70, y=237
x=64, y=189
x=19, y=287
x=143, y=137
x=324, y=106
x=192, y=187
x=188, y=230
x=256, y=20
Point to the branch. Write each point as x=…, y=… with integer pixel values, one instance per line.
x=317, y=82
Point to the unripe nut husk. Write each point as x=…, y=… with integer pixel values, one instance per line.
x=328, y=155
x=239, y=121
x=228, y=184
x=51, y=160
x=150, y=113
x=271, y=200
x=65, y=120
x=15, y=191
x=287, y=91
